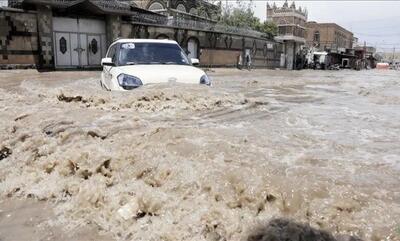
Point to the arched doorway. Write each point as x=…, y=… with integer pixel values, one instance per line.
x=193, y=48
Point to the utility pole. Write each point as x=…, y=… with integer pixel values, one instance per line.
x=394, y=51
x=365, y=50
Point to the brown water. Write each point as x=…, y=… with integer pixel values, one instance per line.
x=198, y=163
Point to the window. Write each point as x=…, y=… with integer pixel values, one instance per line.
x=181, y=8
x=204, y=14
x=156, y=6
x=214, y=16
x=63, y=45
x=317, y=37
x=112, y=53
x=193, y=11
x=93, y=46
x=151, y=53
x=133, y=4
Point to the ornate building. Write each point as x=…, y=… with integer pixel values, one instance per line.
x=291, y=22
x=60, y=34
x=197, y=10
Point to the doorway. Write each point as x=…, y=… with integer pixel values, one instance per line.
x=345, y=63
x=78, y=42
x=193, y=48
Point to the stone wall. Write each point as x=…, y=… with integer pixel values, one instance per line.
x=113, y=28
x=45, y=31
x=18, y=39
x=219, y=57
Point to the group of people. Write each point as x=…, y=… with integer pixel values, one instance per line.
x=247, y=62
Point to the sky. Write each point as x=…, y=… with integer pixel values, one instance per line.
x=376, y=22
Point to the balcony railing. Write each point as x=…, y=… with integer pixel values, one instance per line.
x=104, y=4
x=210, y=25
x=183, y=15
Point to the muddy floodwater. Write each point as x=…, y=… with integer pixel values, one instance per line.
x=178, y=162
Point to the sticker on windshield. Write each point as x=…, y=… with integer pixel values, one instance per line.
x=128, y=46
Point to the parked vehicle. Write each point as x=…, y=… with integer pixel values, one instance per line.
x=320, y=60
x=334, y=67
x=394, y=65
x=382, y=66
x=131, y=63
x=317, y=60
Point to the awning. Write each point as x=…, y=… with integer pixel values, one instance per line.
x=343, y=55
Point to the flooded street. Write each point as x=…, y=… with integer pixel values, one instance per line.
x=181, y=162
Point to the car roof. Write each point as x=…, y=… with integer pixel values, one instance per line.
x=132, y=40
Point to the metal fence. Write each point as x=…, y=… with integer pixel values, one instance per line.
x=181, y=22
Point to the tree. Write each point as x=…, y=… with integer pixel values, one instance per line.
x=242, y=16
x=268, y=27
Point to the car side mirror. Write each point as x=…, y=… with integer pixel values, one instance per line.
x=195, y=61
x=107, y=62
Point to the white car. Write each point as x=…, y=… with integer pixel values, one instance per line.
x=131, y=63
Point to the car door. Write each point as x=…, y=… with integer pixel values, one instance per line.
x=112, y=53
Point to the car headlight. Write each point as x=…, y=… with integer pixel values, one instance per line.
x=205, y=80
x=129, y=82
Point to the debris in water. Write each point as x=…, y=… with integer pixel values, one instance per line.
x=96, y=135
x=21, y=117
x=283, y=230
x=5, y=152
x=129, y=210
x=68, y=99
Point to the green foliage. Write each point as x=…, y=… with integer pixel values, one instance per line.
x=267, y=27
x=242, y=16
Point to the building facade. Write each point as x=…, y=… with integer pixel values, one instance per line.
x=200, y=10
x=367, y=56
x=291, y=22
x=329, y=37
x=335, y=40
x=59, y=34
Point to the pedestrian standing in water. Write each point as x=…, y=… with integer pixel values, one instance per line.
x=240, y=62
x=248, y=62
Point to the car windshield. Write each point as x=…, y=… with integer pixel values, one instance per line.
x=151, y=53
